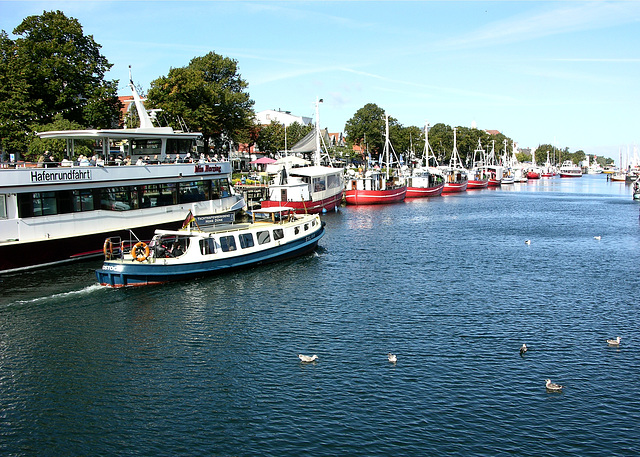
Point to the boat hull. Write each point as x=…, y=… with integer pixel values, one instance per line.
x=375, y=197
x=308, y=206
x=477, y=184
x=419, y=192
x=533, y=175
x=453, y=187
x=133, y=273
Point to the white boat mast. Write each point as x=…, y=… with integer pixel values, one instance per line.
x=145, y=120
x=386, y=141
x=316, y=156
x=428, y=151
x=455, y=161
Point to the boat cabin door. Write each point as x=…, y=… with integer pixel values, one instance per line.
x=283, y=195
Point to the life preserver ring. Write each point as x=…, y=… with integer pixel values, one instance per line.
x=140, y=251
x=107, y=249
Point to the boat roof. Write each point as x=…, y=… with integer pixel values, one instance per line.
x=316, y=170
x=120, y=134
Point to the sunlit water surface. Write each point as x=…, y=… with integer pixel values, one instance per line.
x=210, y=367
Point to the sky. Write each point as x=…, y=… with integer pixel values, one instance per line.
x=541, y=72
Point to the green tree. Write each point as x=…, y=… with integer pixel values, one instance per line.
x=52, y=68
x=366, y=129
x=209, y=94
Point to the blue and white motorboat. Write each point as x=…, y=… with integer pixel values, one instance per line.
x=273, y=234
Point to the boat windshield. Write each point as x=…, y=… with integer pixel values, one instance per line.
x=164, y=246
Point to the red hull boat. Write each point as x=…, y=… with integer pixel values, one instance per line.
x=451, y=187
x=477, y=184
x=417, y=192
x=376, y=197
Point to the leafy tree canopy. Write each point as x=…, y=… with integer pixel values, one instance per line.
x=210, y=95
x=366, y=128
x=52, y=68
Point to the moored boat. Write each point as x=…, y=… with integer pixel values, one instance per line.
x=477, y=177
x=570, y=170
x=62, y=214
x=618, y=176
x=179, y=254
x=494, y=170
x=425, y=180
x=455, y=175
x=374, y=187
x=311, y=189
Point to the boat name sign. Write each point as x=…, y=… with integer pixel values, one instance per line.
x=60, y=176
x=208, y=168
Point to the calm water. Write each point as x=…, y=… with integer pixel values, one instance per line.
x=210, y=367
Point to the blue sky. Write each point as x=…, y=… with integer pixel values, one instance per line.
x=565, y=73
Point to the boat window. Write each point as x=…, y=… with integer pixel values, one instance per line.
x=83, y=200
x=115, y=198
x=146, y=147
x=246, y=240
x=319, y=184
x=207, y=246
x=334, y=181
x=220, y=188
x=296, y=230
x=43, y=204
x=263, y=237
x=195, y=191
x=227, y=243
x=3, y=207
x=278, y=234
x=175, y=146
x=306, y=227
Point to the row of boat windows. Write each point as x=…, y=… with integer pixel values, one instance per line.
x=171, y=246
x=121, y=198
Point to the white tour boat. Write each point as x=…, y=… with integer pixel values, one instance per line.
x=178, y=254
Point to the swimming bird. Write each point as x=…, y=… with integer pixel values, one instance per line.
x=392, y=358
x=527, y=242
x=597, y=237
x=523, y=349
x=306, y=358
x=615, y=342
x=553, y=387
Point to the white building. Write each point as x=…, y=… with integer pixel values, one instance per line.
x=281, y=117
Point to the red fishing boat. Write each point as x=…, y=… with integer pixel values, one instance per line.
x=425, y=181
x=375, y=187
x=534, y=173
x=455, y=175
x=478, y=178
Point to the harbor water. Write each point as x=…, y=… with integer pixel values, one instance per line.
x=209, y=367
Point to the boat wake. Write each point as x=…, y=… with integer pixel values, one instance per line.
x=85, y=290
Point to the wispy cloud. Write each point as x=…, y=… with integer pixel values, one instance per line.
x=568, y=19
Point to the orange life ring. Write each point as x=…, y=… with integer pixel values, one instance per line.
x=107, y=249
x=140, y=256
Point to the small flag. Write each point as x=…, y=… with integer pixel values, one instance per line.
x=189, y=219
